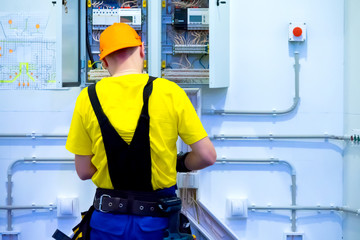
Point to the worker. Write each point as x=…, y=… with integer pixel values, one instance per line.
x=123, y=134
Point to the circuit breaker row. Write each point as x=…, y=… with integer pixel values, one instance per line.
x=103, y=18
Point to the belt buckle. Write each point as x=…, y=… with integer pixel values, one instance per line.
x=101, y=201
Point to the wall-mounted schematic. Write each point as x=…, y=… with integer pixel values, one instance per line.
x=28, y=52
x=100, y=15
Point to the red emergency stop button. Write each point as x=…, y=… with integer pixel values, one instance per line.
x=297, y=31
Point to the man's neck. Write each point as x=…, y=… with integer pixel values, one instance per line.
x=126, y=72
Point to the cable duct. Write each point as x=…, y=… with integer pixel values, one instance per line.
x=306, y=208
x=273, y=137
x=271, y=161
x=33, y=135
x=270, y=136
x=271, y=112
x=293, y=208
x=9, y=207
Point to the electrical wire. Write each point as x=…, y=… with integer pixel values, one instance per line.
x=179, y=64
x=193, y=38
x=95, y=63
x=186, y=57
x=97, y=4
x=201, y=62
x=190, y=4
x=88, y=47
x=129, y=4
x=189, y=200
x=96, y=36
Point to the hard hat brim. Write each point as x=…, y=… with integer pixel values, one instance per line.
x=109, y=51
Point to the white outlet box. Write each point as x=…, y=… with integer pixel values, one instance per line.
x=188, y=180
x=237, y=208
x=293, y=236
x=67, y=207
x=13, y=235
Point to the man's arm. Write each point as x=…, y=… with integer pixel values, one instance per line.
x=203, y=154
x=84, y=168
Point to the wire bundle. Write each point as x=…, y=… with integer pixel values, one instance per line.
x=186, y=4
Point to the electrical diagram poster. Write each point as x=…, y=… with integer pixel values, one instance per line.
x=27, y=57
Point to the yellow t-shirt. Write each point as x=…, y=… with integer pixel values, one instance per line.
x=171, y=115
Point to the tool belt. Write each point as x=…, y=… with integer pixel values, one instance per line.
x=130, y=202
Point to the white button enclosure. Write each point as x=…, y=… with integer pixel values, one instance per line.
x=293, y=38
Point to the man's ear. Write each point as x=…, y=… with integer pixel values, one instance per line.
x=142, y=50
x=104, y=63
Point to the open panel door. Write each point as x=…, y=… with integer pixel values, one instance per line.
x=219, y=43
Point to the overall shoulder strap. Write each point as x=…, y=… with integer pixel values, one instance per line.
x=140, y=170
x=146, y=94
x=100, y=115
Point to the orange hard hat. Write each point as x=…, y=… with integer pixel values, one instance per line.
x=116, y=37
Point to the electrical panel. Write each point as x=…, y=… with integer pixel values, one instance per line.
x=185, y=41
x=100, y=15
x=179, y=50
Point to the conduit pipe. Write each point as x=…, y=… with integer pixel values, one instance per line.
x=306, y=208
x=32, y=135
x=32, y=207
x=272, y=112
x=293, y=208
x=271, y=161
x=273, y=137
x=9, y=206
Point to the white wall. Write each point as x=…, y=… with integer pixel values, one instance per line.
x=351, y=116
x=40, y=112
x=262, y=78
